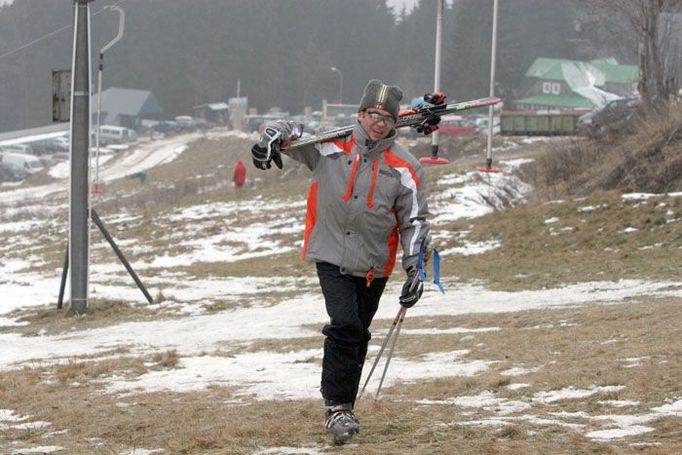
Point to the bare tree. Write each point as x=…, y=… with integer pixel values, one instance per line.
x=657, y=79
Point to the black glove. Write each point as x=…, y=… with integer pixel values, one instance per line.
x=262, y=158
x=267, y=150
x=428, y=125
x=275, y=136
x=412, y=289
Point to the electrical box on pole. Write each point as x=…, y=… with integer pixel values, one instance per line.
x=61, y=95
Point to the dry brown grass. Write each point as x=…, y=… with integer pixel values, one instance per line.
x=648, y=161
x=203, y=171
x=580, y=246
x=579, y=347
x=49, y=321
x=85, y=371
x=166, y=359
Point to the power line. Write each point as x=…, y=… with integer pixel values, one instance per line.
x=24, y=46
x=44, y=37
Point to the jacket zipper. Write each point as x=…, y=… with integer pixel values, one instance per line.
x=351, y=180
x=375, y=172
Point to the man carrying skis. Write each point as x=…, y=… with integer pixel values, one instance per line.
x=366, y=196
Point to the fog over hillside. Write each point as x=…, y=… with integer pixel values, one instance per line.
x=280, y=53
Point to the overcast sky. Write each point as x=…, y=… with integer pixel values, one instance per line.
x=398, y=4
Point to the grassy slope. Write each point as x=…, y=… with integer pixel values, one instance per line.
x=572, y=347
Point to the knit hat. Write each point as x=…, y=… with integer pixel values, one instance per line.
x=378, y=95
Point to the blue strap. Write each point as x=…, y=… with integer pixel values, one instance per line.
x=436, y=267
x=436, y=271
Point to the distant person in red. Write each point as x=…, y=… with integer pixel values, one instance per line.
x=239, y=174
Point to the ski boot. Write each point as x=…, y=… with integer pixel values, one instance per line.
x=341, y=423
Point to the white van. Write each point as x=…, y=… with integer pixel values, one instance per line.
x=29, y=163
x=186, y=122
x=109, y=134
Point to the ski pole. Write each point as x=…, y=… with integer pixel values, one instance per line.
x=420, y=276
x=397, y=319
x=401, y=313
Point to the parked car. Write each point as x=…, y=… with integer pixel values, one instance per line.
x=482, y=125
x=61, y=143
x=203, y=124
x=29, y=163
x=166, y=127
x=109, y=134
x=16, y=148
x=254, y=123
x=12, y=173
x=456, y=125
x=617, y=115
x=49, y=146
x=186, y=122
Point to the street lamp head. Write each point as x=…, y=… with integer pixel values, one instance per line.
x=338, y=71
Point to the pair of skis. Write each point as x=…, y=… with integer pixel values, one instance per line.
x=424, y=119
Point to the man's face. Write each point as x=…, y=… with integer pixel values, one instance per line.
x=377, y=123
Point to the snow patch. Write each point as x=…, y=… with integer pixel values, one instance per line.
x=276, y=376
x=40, y=450
x=291, y=451
x=143, y=451
x=570, y=393
x=486, y=400
x=473, y=248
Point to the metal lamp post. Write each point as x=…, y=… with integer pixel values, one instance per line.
x=436, y=73
x=121, y=25
x=491, y=126
x=336, y=70
x=434, y=158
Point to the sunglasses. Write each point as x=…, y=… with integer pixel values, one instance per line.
x=375, y=117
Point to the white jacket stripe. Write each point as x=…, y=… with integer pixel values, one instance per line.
x=328, y=148
x=407, y=181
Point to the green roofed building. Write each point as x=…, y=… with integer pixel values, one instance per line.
x=573, y=84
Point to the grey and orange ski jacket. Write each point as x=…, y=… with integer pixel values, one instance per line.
x=365, y=197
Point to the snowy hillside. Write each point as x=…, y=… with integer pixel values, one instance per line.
x=234, y=332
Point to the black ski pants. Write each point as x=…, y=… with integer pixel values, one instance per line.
x=351, y=305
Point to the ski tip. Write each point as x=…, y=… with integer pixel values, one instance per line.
x=489, y=170
x=433, y=160
x=489, y=101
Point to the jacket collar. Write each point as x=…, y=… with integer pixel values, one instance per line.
x=366, y=146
